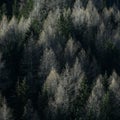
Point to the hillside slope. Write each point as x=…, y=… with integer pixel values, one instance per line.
x=60, y=60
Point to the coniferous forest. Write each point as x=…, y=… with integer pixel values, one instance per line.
x=59, y=60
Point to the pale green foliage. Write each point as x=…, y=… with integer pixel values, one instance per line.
x=95, y=99
x=61, y=97
x=100, y=36
x=48, y=33
x=5, y=112
x=92, y=14
x=86, y=15
x=39, y=10
x=3, y=26
x=24, y=24
x=106, y=13
x=51, y=83
x=68, y=87
x=114, y=89
x=58, y=51
x=78, y=14
x=63, y=89
x=70, y=50
x=76, y=71
x=48, y=62
x=115, y=86
x=13, y=25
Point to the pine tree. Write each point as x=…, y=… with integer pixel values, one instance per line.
x=21, y=98
x=51, y=83
x=114, y=96
x=29, y=113
x=5, y=112
x=48, y=62
x=70, y=51
x=95, y=100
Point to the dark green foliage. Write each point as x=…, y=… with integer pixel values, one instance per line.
x=16, y=7
x=105, y=108
x=65, y=23
x=26, y=8
x=21, y=90
x=77, y=108
x=51, y=54
x=21, y=97
x=105, y=82
x=35, y=28
x=28, y=111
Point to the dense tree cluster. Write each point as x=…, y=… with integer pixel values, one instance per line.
x=59, y=60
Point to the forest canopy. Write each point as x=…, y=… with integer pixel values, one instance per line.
x=59, y=60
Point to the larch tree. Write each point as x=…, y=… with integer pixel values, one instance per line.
x=71, y=50
x=51, y=83
x=5, y=111
x=95, y=99
x=115, y=95
x=29, y=113
x=48, y=62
